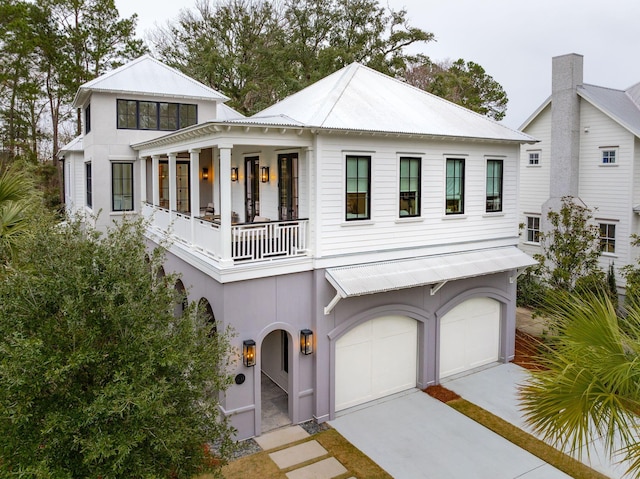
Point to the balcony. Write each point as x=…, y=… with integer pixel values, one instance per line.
x=250, y=242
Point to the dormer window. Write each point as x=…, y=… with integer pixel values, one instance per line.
x=152, y=115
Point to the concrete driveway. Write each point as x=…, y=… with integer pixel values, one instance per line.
x=415, y=436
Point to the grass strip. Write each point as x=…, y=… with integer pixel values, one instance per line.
x=526, y=441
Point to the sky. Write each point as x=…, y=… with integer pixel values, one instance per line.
x=513, y=40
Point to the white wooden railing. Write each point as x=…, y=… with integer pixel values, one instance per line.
x=249, y=241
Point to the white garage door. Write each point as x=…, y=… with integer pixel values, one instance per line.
x=375, y=359
x=469, y=336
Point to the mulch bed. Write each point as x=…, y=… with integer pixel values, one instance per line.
x=528, y=349
x=441, y=393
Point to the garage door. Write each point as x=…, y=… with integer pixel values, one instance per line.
x=375, y=359
x=469, y=336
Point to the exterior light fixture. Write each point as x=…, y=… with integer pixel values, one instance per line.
x=249, y=352
x=264, y=174
x=205, y=173
x=306, y=341
x=234, y=174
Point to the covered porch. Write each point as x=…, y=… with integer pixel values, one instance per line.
x=236, y=203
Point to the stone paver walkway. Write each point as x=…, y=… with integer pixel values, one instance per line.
x=313, y=459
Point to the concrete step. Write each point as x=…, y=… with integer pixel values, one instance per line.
x=297, y=454
x=325, y=469
x=280, y=437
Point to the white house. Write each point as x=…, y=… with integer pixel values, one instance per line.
x=589, y=149
x=360, y=236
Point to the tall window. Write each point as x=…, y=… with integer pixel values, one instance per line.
x=151, y=115
x=455, y=186
x=89, y=186
x=494, y=185
x=533, y=229
x=608, y=157
x=163, y=187
x=358, y=199
x=607, y=238
x=87, y=119
x=122, y=186
x=409, y=187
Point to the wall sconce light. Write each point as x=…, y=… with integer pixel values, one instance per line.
x=306, y=341
x=234, y=174
x=205, y=173
x=264, y=174
x=249, y=352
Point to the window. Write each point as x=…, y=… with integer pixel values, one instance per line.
x=87, y=119
x=163, y=187
x=608, y=157
x=122, y=186
x=534, y=158
x=533, y=229
x=87, y=171
x=358, y=185
x=455, y=187
x=494, y=185
x=607, y=238
x=409, y=187
x=151, y=115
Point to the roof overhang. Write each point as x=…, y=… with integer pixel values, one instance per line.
x=380, y=277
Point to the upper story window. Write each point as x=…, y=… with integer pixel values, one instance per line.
x=608, y=156
x=87, y=119
x=409, y=187
x=152, y=115
x=607, y=237
x=533, y=229
x=494, y=186
x=358, y=194
x=122, y=186
x=534, y=158
x=88, y=184
x=454, y=203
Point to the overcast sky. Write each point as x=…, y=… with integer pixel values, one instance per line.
x=514, y=40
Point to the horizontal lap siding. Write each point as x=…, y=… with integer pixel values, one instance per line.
x=341, y=237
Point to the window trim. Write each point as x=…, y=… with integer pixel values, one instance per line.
x=527, y=229
x=113, y=195
x=87, y=119
x=609, y=149
x=533, y=152
x=369, y=159
x=178, y=115
x=418, y=192
x=501, y=188
x=88, y=184
x=607, y=240
x=462, y=185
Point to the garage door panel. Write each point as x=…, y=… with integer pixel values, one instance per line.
x=469, y=336
x=387, y=364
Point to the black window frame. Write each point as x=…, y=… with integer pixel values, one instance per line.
x=490, y=203
x=459, y=176
x=129, y=115
x=407, y=194
x=87, y=119
x=121, y=179
x=355, y=202
x=88, y=184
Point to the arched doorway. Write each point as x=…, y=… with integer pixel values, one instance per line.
x=275, y=380
x=181, y=301
x=204, y=307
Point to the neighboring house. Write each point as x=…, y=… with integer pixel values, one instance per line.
x=360, y=236
x=589, y=149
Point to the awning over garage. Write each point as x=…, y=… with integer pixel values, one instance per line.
x=379, y=277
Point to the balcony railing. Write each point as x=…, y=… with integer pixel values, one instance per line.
x=250, y=242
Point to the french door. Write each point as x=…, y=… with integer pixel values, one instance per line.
x=252, y=188
x=288, y=186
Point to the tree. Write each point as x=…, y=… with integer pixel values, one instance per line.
x=259, y=51
x=464, y=83
x=570, y=248
x=98, y=378
x=589, y=387
x=15, y=190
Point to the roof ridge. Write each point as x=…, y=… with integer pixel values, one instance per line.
x=342, y=84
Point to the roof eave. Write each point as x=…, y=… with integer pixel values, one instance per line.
x=585, y=96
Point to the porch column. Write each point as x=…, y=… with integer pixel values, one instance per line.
x=173, y=203
x=143, y=181
x=224, y=177
x=313, y=196
x=194, y=169
x=155, y=179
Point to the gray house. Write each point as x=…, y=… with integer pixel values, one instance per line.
x=359, y=236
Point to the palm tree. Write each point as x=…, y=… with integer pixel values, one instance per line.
x=591, y=387
x=15, y=190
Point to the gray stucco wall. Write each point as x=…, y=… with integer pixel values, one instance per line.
x=293, y=302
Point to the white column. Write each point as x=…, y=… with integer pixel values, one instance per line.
x=155, y=179
x=143, y=181
x=194, y=170
x=224, y=176
x=172, y=182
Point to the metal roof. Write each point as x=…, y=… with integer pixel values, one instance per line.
x=147, y=76
x=385, y=276
x=618, y=104
x=73, y=145
x=361, y=99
